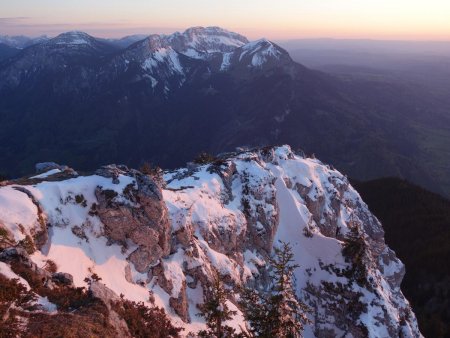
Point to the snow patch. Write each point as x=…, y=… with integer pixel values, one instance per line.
x=17, y=212
x=6, y=271
x=47, y=174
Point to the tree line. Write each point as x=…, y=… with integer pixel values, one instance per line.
x=274, y=312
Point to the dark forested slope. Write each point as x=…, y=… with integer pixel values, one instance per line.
x=417, y=226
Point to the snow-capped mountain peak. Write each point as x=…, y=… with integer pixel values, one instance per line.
x=256, y=55
x=163, y=61
x=72, y=38
x=214, y=39
x=198, y=41
x=260, y=52
x=258, y=45
x=159, y=63
x=160, y=55
x=153, y=42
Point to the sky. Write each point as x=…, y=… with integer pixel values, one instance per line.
x=273, y=19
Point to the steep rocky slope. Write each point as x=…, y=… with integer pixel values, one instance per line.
x=417, y=225
x=168, y=234
x=7, y=51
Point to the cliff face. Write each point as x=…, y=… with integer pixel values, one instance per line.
x=168, y=234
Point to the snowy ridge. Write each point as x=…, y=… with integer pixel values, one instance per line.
x=72, y=38
x=165, y=59
x=260, y=51
x=163, y=63
x=163, y=55
x=159, y=62
x=226, y=215
x=198, y=42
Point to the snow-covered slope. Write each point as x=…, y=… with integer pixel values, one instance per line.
x=166, y=61
x=198, y=42
x=226, y=215
x=154, y=59
x=256, y=54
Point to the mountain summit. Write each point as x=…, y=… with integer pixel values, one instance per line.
x=72, y=38
x=122, y=232
x=260, y=53
x=198, y=41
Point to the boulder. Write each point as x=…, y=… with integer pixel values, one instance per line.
x=63, y=278
x=112, y=171
x=108, y=297
x=14, y=253
x=46, y=166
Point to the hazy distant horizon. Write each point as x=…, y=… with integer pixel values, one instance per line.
x=341, y=19
x=111, y=34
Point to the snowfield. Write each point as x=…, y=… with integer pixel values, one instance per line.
x=226, y=216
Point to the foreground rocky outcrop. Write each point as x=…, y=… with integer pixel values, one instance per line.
x=169, y=234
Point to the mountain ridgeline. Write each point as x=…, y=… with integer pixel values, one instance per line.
x=76, y=242
x=85, y=101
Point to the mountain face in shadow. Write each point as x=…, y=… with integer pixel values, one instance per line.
x=7, y=51
x=417, y=228
x=83, y=101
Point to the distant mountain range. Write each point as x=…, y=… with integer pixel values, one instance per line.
x=21, y=41
x=165, y=98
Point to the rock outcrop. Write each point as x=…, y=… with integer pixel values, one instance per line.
x=109, y=297
x=140, y=215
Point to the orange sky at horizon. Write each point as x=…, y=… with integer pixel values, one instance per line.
x=287, y=19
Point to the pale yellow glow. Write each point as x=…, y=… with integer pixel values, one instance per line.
x=387, y=19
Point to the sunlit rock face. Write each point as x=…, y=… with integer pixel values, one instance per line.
x=141, y=217
x=169, y=235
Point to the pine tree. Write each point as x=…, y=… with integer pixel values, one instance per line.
x=354, y=245
x=277, y=312
x=354, y=250
x=288, y=312
x=255, y=307
x=216, y=312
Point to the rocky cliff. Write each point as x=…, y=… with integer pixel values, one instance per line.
x=168, y=233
